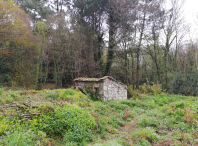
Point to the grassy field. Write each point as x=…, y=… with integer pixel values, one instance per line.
x=69, y=118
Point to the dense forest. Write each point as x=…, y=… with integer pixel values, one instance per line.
x=145, y=44
x=134, y=41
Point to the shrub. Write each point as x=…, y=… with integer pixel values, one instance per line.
x=68, y=119
x=178, y=83
x=185, y=85
x=155, y=89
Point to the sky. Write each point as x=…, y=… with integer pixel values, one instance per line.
x=190, y=9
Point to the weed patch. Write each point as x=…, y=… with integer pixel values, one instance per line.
x=147, y=134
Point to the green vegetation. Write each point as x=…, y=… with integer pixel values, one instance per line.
x=67, y=117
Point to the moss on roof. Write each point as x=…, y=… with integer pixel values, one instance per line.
x=87, y=79
x=97, y=79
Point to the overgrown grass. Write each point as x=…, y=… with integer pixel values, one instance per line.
x=68, y=117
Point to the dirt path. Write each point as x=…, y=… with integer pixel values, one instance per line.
x=129, y=128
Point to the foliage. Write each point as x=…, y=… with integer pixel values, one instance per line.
x=78, y=134
x=130, y=103
x=147, y=120
x=16, y=45
x=52, y=95
x=20, y=137
x=155, y=89
x=185, y=85
x=110, y=143
x=116, y=105
x=71, y=94
x=69, y=120
x=89, y=90
x=4, y=125
x=147, y=134
x=14, y=25
x=1, y=90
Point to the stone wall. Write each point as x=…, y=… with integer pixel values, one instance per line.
x=113, y=90
x=94, y=85
x=106, y=89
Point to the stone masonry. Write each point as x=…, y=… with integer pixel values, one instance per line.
x=106, y=88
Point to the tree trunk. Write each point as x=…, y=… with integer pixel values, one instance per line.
x=111, y=43
x=138, y=50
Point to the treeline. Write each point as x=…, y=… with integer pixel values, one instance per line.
x=135, y=41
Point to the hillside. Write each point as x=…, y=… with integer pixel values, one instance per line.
x=68, y=117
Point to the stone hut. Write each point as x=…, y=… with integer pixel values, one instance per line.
x=106, y=88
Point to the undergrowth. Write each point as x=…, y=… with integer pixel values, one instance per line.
x=68, y=117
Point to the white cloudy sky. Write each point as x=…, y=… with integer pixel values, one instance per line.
x=191, y=16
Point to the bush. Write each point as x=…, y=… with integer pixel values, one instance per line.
x=66, y=120
x=185, y=85
x=155, y=89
